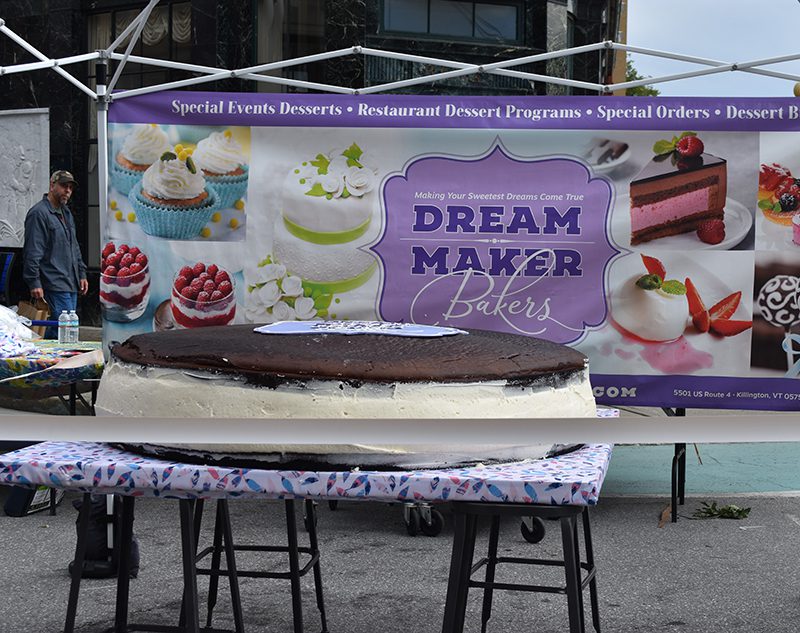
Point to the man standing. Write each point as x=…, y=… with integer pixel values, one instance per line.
x=52, y=265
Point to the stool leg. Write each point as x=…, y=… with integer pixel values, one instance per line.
x=189, y=551
x=587, y=539
x=196, y=507
x=570, y=572
x=230, y=561
x=465, y=529
x=578, y=572
x=77, y=564
x=488, y=591
x=124, y=565
x=294, y=566
x=311, y=513
x=216, y=555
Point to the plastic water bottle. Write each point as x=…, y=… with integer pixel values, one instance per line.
x=74, y=327
x=63, y=327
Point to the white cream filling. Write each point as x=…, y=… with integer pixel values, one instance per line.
x=124, y=291
x=137, y=391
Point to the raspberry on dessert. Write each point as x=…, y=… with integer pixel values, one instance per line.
x=711, y=231
x=113, y=259
x=108, y=249
x=689, y=146
x=204, y=277
x=203, y=297
x=110, y=271
x=196, y=285
x=189, y=292
x=187, y=272
x=212, y=270
x=135, y=268
x=127, y=259
x=787, y=185
x=209, y=286
x=198, y=268
x=141, y=258
x=225, y=287
x=788, y=202
x=124, y=271
x=181, y=282
x=221, y=276
x=123, y=248
x=217, y=295
x=134, y=251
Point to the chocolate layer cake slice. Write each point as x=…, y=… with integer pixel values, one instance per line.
x=673, y=195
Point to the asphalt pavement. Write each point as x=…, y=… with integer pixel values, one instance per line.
x=709, y=575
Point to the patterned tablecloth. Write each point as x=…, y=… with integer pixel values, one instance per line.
x=20, y=372
x=571, y=479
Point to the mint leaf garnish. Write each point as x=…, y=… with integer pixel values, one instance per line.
x=649, y=282
x=673, y=287
x=353, y=154
x=663, y=147
x=765, y=204
x=684, y=134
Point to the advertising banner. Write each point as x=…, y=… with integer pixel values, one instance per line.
x=661, y=237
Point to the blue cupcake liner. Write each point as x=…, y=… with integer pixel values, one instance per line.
x=171, y=222
x=229, y=188
x=123, y=179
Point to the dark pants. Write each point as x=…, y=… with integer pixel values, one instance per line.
x=58, y=301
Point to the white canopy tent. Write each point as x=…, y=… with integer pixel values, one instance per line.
x=103, y=94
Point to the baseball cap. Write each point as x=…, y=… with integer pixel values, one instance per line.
x=62, y=176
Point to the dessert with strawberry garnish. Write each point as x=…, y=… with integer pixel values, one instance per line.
x=124, y=282
x=681, y=187
x=202, y=296
x=650, y=307
x=778, y=194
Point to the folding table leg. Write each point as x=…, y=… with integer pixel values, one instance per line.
x=465, y=526
x=189, y=551
x=573, y=586
x=294, y=566
x=124, y=566
x=77, y=565
x=491, y=564
x=312, y=539
x=578, y=571
x=197, y=523
x=587, y=539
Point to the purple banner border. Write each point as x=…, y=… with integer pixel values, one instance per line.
x=745, y=114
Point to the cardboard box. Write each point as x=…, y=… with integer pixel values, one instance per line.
x=35, y=310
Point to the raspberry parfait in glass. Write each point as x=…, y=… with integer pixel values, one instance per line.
x=202, y=295
x=124, y=282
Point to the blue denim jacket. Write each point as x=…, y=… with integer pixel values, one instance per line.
x=51, y=254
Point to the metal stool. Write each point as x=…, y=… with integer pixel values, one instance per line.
x=189, y=620
x=295, y=572
x=462, y=568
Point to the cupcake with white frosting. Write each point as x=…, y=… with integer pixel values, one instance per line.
x=141, y=148
x=224, y=165
x=173, y=199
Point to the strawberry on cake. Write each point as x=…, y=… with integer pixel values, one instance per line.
x=173, y=199
x=202, y=296
x=678, y=190
x=124, y=282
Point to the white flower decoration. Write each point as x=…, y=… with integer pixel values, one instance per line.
x=304, y=307
x=338, y=164
x=292, y=286
x=359, y=181
x=269, y=294
x=282, y=312
x=332, y=183
x=368, y=161
x=269, y=272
